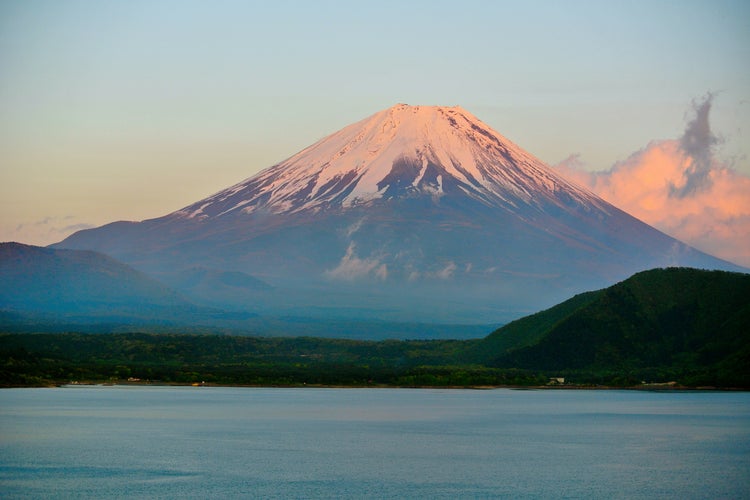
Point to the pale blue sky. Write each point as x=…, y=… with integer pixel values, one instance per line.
x=132, y=109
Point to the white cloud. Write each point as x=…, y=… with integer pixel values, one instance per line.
x=351, y=267
x=447, y=271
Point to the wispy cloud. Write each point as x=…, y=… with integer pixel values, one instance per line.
x=44, y=231
x=352, y=267
x=697, y=144
x=349, y=231
x=447, y=272
x=681, y=188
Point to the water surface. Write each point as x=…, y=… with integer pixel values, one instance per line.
x=169, y=442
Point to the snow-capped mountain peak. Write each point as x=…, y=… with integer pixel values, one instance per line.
x=402, y=151
x=416, y=213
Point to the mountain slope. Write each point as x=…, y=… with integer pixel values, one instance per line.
x=677, y=318
x=417, y=213
x=77, y=282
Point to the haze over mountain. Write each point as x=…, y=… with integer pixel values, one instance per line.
x=416, y=213
x=53, y=290
x=82, y=286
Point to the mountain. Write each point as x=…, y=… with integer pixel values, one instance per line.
x=674, y=321
x=417, y=213
x=80, y=285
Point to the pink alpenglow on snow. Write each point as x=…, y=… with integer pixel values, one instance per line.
x=396, y=152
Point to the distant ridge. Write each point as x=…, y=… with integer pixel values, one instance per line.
x=78, y=284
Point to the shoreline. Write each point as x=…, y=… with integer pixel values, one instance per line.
x=658, y=387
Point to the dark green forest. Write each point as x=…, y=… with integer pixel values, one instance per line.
x=39, y=359
x=688, y=325
x=682, y=326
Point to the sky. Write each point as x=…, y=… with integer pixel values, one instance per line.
x=114, y=110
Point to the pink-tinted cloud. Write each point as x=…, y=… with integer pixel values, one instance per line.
x=679, y=187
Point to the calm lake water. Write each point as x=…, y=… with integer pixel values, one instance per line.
x=185, y=442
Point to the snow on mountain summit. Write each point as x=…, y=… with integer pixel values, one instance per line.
x=402, y=151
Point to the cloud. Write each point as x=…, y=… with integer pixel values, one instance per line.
x=72, y=228
x=49, y=229
x=697, y=143
x=349, y=231
x=447, y=271
x=679, y=187
x=351, y=267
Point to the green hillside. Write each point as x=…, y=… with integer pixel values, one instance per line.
x=528, y=330
x=675, y=322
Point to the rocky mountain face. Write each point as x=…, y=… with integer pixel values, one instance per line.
x=416, y=213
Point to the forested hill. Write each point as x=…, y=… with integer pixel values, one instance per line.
x=674, y=320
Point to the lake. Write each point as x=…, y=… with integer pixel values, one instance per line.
x=211, y=442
